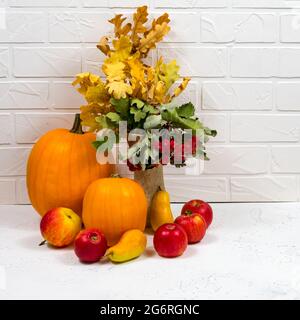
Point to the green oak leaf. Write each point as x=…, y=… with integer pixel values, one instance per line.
x=138, y=114
x=150, y=109
x=171, y=115
x=138, y=103
x=121, y=106
x=105, y=122
x=113, y=116
x=187, y=110
x=152, y=122
x=210, y=132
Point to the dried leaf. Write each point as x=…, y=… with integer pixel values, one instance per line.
x=117, y=21
x=88, y=116
x=153, y=37
x=86, y=80
x=163, y=18
x=97, y=95
x=160, y=91
x=181, y=87
x=136, y=69
x=139, y=19
x=122, y=48
x=103, y=45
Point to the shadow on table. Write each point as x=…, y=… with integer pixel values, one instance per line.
x=33, y=243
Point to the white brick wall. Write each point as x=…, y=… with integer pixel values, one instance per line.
x=243, y=56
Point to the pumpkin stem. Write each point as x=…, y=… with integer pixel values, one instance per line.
x=77, y=127
x=115, y=175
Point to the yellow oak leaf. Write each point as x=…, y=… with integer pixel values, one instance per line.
x=150, y=95
x=154, y=36
x=86, y=80
x=122, y=48
x=139, y=19
x=181, y=87
x=117, y=21
x=163, y=18
x=119, y=89
x=159, y=21
x=168, y=73
x=136, y=69
x=97, y=94
x=160, y=91
x=104, y=46
x=89, y=113
x=114, y=71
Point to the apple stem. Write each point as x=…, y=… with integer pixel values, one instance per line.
x=188, y=212
x=42, y=243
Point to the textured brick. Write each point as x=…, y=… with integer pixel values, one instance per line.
x=201, y=62
x=265, y=62
x=254, y=62
x=43, y=3
x=8, y=191
x=5, y=128
x=21, y=192
x=288, y=96
x=211, y=189
x=238, y=27
x=24, y=95
x=286, y=159
x=237, y=95
x=264, y=189
x=13, y=161
x=183, y=26
x=78, y=27
x=262, y=3
x=191, y=3
x=65, y=96
x=218, y=121
x=24, y=27
x=4, y=62
x=290, y=27
x=237, y=160
x=265, y=128
x=287, y=62
x=92, y=60
x=46, y=62
x=31, y=126
x=126, y=3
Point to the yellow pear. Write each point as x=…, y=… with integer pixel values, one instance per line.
x=160, y=211
x=131, y=245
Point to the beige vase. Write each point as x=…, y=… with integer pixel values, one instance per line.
x=151, y=180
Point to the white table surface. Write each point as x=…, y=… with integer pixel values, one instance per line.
x=252, y=251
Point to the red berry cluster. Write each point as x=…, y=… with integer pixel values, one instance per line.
x=168, y=151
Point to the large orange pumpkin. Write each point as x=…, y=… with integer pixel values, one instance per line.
x=115, y=205
x=61, y=166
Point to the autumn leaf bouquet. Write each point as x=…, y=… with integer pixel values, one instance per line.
x=141, y=96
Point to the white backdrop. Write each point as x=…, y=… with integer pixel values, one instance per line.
x=243, y=55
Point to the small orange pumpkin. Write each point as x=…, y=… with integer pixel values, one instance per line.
x=114, y=205
x=61, y=166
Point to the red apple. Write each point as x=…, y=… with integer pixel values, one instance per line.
x=170, y=240
x=60, y=226
x=194, y=226
x=200, y=207
x=90, y=245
